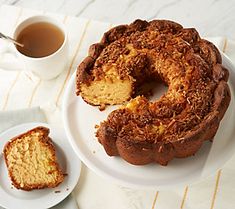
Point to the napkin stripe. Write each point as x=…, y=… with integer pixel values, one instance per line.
x=225, y=45
x=216, y=189
x=184, y=197
x=155, y=199
x=34, y=92
x=18, y=74
x=72, y=62
x=65, y=19
x=10, y=89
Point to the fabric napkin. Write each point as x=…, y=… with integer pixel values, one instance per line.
x=12, y=118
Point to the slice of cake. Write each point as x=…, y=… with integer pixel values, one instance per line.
x=31, y=160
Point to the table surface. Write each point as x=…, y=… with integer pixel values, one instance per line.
x=210, y=17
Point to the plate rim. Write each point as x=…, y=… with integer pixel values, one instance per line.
x=75, y=176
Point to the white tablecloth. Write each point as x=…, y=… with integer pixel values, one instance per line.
x=20, y=90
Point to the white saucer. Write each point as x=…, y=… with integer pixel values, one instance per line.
x=80, y=120
x=13, y=198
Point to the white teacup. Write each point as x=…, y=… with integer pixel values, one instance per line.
x=46, y=67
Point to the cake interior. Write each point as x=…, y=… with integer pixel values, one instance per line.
x=31, y=162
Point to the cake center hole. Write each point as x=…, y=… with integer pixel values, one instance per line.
x=153, y=90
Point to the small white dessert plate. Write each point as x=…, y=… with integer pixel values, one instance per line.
x=80, y=120
x=13, y=198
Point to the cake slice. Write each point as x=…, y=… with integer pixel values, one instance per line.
x=31, y=160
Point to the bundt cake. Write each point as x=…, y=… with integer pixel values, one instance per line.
x=31, y=160
x=175, y=125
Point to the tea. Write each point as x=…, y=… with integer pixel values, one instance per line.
x=40, y=39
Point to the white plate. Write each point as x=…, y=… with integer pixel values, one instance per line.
x=80, y=119
x=37, y=199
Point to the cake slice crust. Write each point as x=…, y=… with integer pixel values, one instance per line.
x=31, y=160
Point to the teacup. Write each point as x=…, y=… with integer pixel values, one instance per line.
x=45, y=65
